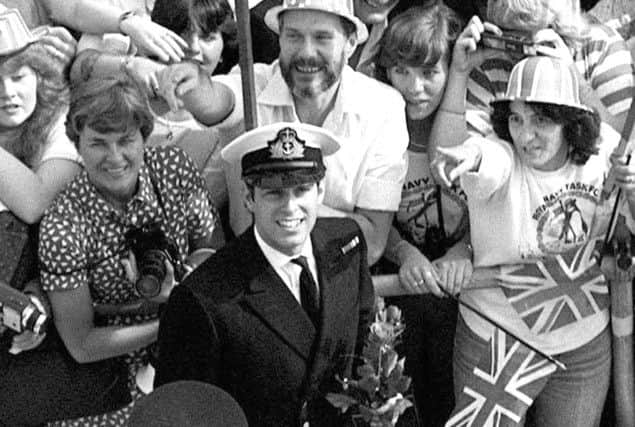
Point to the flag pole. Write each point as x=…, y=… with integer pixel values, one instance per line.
x=482, y=278
x=246, y=63
x=504, y=329
x=619, y=269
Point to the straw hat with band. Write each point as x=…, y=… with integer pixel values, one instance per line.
x=543, y=79
x=343, y=8
x=282, y=154
x=14, y=34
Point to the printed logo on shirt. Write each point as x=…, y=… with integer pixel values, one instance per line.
x=565, y=218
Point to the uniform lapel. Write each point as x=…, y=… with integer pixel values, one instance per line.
x=334, y=294
x=272, y=301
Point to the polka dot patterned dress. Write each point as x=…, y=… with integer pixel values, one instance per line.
x=82, y=242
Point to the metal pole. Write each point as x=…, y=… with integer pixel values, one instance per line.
x=246, y=62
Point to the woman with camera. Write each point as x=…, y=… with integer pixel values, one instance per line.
x=124, y=231
x=534, y=196
x=555, y=28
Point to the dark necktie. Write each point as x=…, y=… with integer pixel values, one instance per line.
x=308, y=291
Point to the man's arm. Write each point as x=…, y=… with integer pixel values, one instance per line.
x=375, y=226
x=187, y=85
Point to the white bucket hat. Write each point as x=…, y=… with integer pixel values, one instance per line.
x=14, y=34
x=343, y=8
x=543, y=79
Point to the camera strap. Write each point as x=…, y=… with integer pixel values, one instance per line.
x=440, y=212
x=157, y=193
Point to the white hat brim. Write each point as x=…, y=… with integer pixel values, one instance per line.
x=271, y=20
x=253, y=140
x=541, y=101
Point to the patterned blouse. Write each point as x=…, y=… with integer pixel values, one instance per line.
x=82, y=236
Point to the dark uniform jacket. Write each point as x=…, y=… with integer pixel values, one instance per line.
x=235, y=324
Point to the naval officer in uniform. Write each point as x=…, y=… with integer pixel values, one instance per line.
x=275, y=315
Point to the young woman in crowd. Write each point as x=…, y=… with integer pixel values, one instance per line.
x=97, y=239
x=207, y=25
x=38, y=161
x=533, y=193
x=429, y=241
x=210, y=30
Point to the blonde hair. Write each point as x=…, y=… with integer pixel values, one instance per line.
x=563, y=16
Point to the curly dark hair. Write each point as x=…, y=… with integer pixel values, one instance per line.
x=418, y=37
x=581, y=128
x=27, y=140
x=204, y=16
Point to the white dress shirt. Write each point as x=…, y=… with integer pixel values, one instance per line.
x=288, y=271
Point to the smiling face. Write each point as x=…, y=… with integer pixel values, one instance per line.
x=313, y=51
x=421, y=87
x=538, y=140
x=112, y=161
x=18, y=96
x=284, y=217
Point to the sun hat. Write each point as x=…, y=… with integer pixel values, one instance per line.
x=543, y=79
x=343, y=8
x=14, y=34
x=282, y=154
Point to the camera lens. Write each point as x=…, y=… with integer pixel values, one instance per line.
x=151, y=273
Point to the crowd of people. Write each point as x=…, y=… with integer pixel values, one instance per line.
x=165, y=241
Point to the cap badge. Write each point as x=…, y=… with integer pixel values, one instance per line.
x=287, y=145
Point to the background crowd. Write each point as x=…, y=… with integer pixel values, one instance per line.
x=122, y=129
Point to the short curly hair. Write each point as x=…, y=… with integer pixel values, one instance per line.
x=581, y=128
x=52, y=98
x=112, y=105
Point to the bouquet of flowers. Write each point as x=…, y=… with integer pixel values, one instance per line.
x=378, y=394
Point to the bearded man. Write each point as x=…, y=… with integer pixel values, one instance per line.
x=312, y=83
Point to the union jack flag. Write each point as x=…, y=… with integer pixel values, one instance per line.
x=503, y=385
x=557, y=291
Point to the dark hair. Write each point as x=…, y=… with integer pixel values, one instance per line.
x=418, y=37
x=204, y=16
x=108, y=106
x=581, y=129
x=52, y=98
